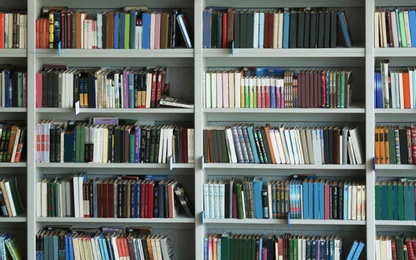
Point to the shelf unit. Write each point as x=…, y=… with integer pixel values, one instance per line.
x=362, y=58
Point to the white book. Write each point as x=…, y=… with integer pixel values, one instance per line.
x=383, y=33
x=231, y=89
x=170, y=144
x=225, y=89
x=359, y=202
x=309, y=143
x=274, y=146
x=376, y=30
x=206, y=198
x=214, y=89
x=148, y=87
x=276, y=29
x=211, y=199
x=256, y=30
x=216, y=190
x=219, y=92
x=237, y=89
x=288, y=142
x=383, y=248
x=269, y=198
x=401, y=94
x=353, y=196
x=261, y=30
x=221, y=187
x=115, y=248
x=394, y=29
x=279, y=143
x=294, y=142
x=162, y=144
x=10, y=198
x=207, y=92
x=388, y=248
x=356, y=144
x=300, y=147
x=39, y=198
x=407, y=28
x=230, y=141
x=104, y=157
x=284, y=144
x=337, y=248
x=191, y=142
x=280, y=31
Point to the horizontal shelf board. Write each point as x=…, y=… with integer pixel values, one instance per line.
x=387, y=167
x=395, y=223
x=337, y=222
x=13, y=165
x=289, y=53
x=115, y=53
x=285, y=222
x=391, y=111
x=13, y=109
x=285, y=110
x=12, y=53
x=281, y=166
x=118, y=220
x=19, y=219
x=395, y=52
x=116, y=165
x=118, y=110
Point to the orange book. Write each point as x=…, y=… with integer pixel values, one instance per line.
x=381, y=145
x=406, y=90
x=377, y=145
x=386, y=145
x=269, y=142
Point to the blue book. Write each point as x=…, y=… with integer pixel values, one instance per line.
x=345, y=200
x=257, y=194
x=253, y=144
x=286, y=21
x=138, y=186
x=342, y=18
x=310, y=198
x=161, y=201
x=321, y=200
x=305, y=199
x=71, y=248
x=412, y=25
x=131, y=89
x=104, y=245
x=133, y=190
x=133, y=15
x=316, y=198
x=146, y=31
x=206, y=26
x=352, y=250
x=116, y=31
x=272, y=95
x=120, y=31
x=8, y=88
x=358, y=251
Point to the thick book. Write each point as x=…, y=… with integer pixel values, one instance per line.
x=342, y=18
x=184, y=199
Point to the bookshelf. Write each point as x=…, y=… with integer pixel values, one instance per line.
x=187, y=233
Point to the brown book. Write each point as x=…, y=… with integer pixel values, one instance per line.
x=6, y=199
x=271, y=29
x=78, y=30
x=230, y=27
x=14, y=133
x=127, y=202
x=110, y=30
x=111, y=202
x=266, y=29
x=269, y=142
x=164, y=30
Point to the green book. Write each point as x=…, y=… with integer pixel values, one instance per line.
x=342, y=89
x=400, y=197
x=82, y=142
x=402, y=29
x=16, y=196
x=378, y=200
x=132, y=147
x=399, y=247
x=126, y=31
x=390, y=202
x=240, y=207
x=225, y=246
x=291, y=248
x=392, y=146
x=411, y=199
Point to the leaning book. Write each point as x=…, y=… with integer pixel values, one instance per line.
x=175, y=102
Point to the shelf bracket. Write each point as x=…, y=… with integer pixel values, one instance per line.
x=170, y=163
x=202, y=163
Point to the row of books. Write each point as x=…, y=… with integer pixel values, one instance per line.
x=10, y=201
x=398, y=247
x=309, y=198
x=288, y=89
x=127, y=28
x=395, y=199
x=394, y=87
x=13, y=29
x=282, y=144
x=104, y=243
x=13, y=86
x=13, y=141
x=285, y=246
x=9, y=247
x=108, y=140
x=394, y=27
x=395, y=144
x=79, y=195
x=274, y=28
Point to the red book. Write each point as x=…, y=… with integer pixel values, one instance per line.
x=266, y=93
x=39, y=83
x=150, y=198
x=224, y=30
x=85, y=196
x=406, y=89
x=100, y=194
x=393, y=249
x=271, y=30
x=63, y=30
x=266, y=30
x=153, y=89
x=37, y=33
x=142, y=198
x=326, y=201
x=323, y=88
x=105, y=199
x=390, y=30
x=409, y=248
x=2, y=30
x=68, y=30
x=413, y=142
x=160, y=85
x=110, y=200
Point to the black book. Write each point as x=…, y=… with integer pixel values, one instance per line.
x=173, y=28
x=330, y=146
x=76, y=88
x=55, y=90
x=334, y=27
x=50, y=86
x=250, y=29
x=45, y=88
x=104, y=31
x=214, y=29
x=3, y=205
x=265, y=144
x=321, y=29
x=184, y=200
x=403, y=146
x=335, y=200
x=313, y=30
x=327, y=33
x=237, y=34
x=307, y=29
x=52, y=144
x=243, y=29
x=293, y=26
x=301, y=29
x=117, y=144
x=326, y=146
x=56, y=29
x=110, y=154
x=147, y=144
x=178, y=144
